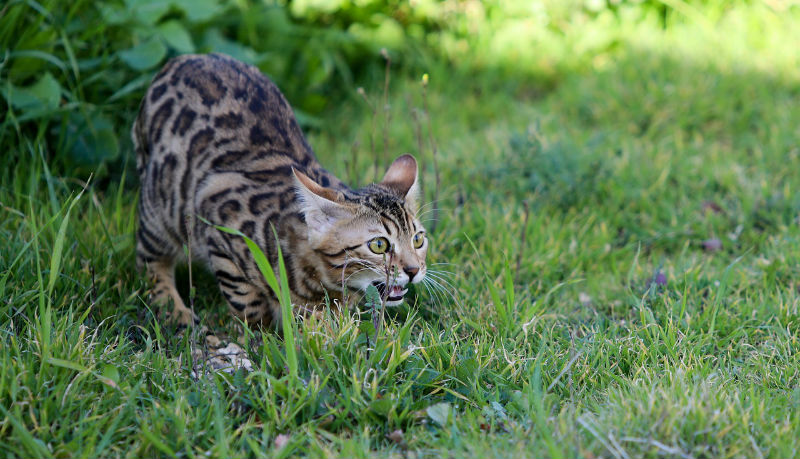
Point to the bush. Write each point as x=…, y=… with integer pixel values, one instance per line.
x=72, y=72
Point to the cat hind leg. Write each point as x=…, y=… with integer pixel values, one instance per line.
x=153, y=255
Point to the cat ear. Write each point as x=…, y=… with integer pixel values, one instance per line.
x=320, y=206
x=402, y=177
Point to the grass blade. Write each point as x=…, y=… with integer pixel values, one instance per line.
x=287, y=313
x=279, y=287
x=58, y=246
x=27, y=438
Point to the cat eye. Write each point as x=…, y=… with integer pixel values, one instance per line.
x=418, y=240
x=378, y=245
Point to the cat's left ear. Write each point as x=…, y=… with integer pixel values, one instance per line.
x=403, y=177
x=321, y=206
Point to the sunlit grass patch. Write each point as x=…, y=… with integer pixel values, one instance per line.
x=619, y=248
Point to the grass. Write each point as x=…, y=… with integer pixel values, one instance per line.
x=646, y=304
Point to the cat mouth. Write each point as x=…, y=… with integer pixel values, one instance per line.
x=395, y=294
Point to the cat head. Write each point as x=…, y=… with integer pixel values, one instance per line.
x=370, y=235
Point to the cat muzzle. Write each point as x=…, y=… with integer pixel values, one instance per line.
x=395, y=294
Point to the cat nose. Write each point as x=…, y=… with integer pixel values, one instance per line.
x=411, y=271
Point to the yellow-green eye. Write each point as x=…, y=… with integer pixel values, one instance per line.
x=378, y=245
x=418, y=240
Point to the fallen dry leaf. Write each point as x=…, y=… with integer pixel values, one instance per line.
x=396, y=436
x=712, y=206
x=712, y=245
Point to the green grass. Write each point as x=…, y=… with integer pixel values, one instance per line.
x=598, y=323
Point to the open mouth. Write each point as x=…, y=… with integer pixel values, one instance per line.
x=394, y=295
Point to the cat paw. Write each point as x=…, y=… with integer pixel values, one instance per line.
x=182, y=317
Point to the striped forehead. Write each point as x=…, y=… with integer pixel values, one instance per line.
x=391, y=210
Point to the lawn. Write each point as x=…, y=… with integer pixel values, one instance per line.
x=616, y=231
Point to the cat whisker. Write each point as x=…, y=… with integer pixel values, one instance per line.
x=420, y=215
x=441, y=272
x=436, y=288
x=439, y=298
x=441, y=279
x=424, y=216
x=357, y=272
x=361, y=262
x=365, y=264
x=433, y=296
x=360, y=271
x=442, y=267
x=444, y=291
x=435, y=282
x=430, y=203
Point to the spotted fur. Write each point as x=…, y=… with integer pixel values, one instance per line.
x=216, y=139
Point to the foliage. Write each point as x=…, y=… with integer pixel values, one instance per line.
x=71, y=70
x=595, y=321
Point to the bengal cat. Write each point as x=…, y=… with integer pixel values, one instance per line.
x=216, y=139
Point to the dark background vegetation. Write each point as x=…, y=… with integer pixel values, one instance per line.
x=616, y=248
x=72, y=71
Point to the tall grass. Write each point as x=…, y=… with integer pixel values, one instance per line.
x=620, y=232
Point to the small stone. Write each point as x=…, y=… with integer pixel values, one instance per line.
x=213, y=341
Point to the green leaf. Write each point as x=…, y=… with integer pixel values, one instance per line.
x=113, y=14
x=439, y=413
x=373, y=298
x=389, y=33
x=132, y=86
x=66, y=364
x=145, y=55
x=44, y=94
x=215, y=41
x=147, y=12
x=111, y=372
x=381, y=407
x=176, y=36
x=41, y=55
x=93, y=139
x=198, y=10
x=43, y=41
